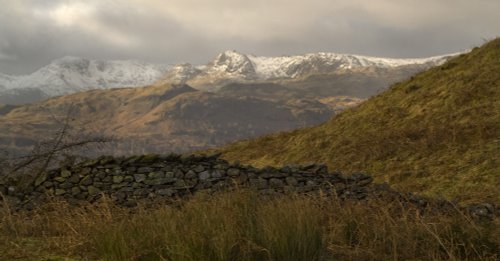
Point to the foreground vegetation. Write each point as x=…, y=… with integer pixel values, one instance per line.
x=436, y=133
x=244, y=226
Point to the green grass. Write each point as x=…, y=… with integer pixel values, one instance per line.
x=437, y=133
x=241, y=225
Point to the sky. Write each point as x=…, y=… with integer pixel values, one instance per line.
x=34, y=32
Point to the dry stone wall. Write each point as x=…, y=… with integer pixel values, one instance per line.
x=127, y=180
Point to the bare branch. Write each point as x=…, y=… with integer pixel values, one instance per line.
x=46, y=152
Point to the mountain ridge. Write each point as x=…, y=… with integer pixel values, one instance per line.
x=232, y=66
x=72, y=74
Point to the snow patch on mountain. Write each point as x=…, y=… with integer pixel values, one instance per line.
x=231, y=66
x=286, y=66
x=73, y=74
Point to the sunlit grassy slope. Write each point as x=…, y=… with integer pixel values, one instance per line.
x=436, y=133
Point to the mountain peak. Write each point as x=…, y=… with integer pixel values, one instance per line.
x=232, y=53
x=72, y=63
x=233, y=62
x=68, y=59
x=230, y=56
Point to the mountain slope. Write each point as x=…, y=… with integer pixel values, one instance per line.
x=73, y=74
x=159, y=118
x=438, y=132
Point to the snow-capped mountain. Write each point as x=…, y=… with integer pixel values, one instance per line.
x=73, y=74
x=231, y=66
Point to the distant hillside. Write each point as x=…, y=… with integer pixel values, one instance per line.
x=161, y=118
x=438, y=132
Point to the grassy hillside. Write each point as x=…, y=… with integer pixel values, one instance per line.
x=159, y=118
x=437, y=133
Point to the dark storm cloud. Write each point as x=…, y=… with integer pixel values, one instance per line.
x=34, y=32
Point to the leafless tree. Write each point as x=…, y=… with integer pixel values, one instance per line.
x=53, y=150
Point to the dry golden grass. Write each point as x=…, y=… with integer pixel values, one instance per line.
x=241, y=225
x=436, y=133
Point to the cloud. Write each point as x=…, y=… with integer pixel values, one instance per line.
x=83, y=16
x=4, y=56
x=194, y=31
x=7, y=57
x=67, y=14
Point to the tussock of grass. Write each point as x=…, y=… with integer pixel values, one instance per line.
x=243, y=226
x=437, y=133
